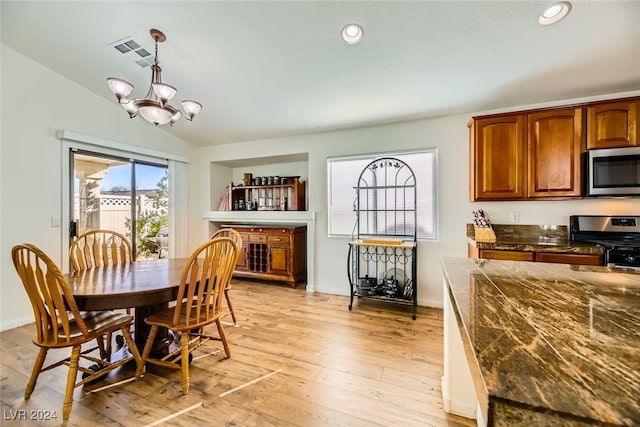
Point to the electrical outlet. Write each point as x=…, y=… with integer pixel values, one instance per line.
x=56, y=221
x=515, y=216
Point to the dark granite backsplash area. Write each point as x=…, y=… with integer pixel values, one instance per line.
x=527, y=234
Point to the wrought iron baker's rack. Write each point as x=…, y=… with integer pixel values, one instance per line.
x=381, y=262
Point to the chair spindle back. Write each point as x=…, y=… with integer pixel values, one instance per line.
x=98, y=248
x=230, y=233
x=51, y=297
x=204, y=278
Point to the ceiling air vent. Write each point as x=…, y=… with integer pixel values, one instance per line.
x=128, y=46
x=143, y=52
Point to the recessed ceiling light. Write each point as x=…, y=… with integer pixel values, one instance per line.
x=352, y=33
x=554, y=13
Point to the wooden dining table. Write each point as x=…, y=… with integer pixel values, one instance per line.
x=147, y=286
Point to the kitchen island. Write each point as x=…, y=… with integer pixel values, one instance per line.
x=544, y=344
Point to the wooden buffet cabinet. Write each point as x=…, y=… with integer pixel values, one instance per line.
x=538, y=154
x=272, y=252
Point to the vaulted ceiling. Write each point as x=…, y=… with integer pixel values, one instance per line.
x=266, y=69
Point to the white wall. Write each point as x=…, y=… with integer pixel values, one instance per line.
x=450, y=136
x=37, y=102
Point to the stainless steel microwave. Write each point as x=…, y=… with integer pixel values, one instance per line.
x=614, y=172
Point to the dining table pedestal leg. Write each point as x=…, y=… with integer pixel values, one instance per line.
x=164, y=337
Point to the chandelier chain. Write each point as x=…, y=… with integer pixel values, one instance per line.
x=156, y=59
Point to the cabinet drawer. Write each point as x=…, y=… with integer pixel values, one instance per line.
x=563, y=258
x=507, y=255
x=257, y=238
x=278, y=238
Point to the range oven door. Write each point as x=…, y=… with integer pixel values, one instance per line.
x=625, y=259
x=614, y=172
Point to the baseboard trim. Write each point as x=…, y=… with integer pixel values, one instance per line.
x=464, y=409
x=15, y=323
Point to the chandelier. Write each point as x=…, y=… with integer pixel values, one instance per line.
x=154, y=107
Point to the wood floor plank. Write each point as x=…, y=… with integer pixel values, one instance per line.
x=297, y=359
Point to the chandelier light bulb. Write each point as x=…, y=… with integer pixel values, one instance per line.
x=175, y=118
x=164, y=91
x=154, y=113
x=192, y=108
x=131, y=108
x=120, y=88
x=154, y=107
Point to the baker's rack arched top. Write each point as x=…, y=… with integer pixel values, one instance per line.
x=386, y=172
x=386, y=200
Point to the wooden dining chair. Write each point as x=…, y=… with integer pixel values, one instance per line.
x=60, y=324
x=202, y=283
x=235, y=236
x=98, y=248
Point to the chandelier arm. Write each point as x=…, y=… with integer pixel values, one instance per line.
x=155, y=78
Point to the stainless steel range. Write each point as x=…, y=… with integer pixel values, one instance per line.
x=619, y=235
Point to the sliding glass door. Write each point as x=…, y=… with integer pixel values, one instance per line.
x=123, y=195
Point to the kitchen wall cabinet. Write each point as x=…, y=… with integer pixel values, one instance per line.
x=521, y=156
x=555, y=146
x=497, y=157
x=613, y=124
x=275, y=252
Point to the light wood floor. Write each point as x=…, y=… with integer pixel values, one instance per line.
x=297, y=359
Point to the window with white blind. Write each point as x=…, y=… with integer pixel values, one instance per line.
x=343, y=174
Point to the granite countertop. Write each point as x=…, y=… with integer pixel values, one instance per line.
x=533, y=238
x=540, y=246
x=549, y=344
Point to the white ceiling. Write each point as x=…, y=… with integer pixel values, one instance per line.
x=265, y=69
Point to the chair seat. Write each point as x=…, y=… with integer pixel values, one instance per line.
x=98, y=322
x=165, y=319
